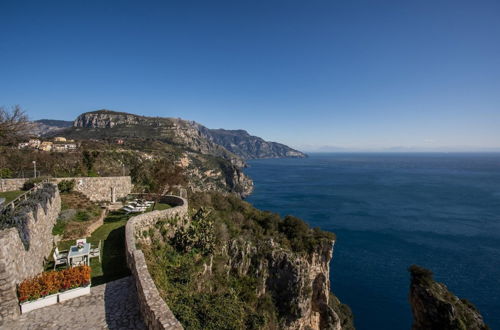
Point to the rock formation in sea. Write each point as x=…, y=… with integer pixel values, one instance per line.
x=434, y=307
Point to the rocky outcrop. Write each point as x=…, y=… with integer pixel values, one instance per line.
x=251, y=147
x=435, y=307
x=299, y=284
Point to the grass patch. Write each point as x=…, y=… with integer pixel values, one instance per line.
x=112, y=235
x=77, y=212
x=11, y=195
x=161, y=206
x=59, y=228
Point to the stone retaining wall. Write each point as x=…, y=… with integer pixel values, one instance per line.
x=96, y=224
x=23, y=249
x=95, y=188
x=11, y=184
x=155, y=312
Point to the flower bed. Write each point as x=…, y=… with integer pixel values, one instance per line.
x=33, y=292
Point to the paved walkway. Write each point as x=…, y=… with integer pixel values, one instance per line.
x=109, y=306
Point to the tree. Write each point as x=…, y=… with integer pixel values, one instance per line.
x=14, y=125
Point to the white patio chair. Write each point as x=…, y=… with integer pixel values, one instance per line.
x=61, y=254
x=96, y=252
x=59, y=261
x=77, y=261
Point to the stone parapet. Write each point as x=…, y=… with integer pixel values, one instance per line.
x=154, y=310
x=104, y=188
x=11, y=184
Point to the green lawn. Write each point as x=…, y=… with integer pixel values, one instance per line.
x=161, y=206
x=10, y=195
x=112, y=235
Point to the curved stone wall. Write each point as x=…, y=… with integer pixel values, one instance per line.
x=155, y=312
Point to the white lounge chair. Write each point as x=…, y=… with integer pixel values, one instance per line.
x=96, y=252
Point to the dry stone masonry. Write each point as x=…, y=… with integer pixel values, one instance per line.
x=155, y=312
x=108, y=188
x=24, y=247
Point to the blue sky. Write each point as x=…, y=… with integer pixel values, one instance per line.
x=360, y=75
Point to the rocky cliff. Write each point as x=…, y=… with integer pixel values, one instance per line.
x=298, y=284
x=251, y=147
x=235, y=267
x=435, y=307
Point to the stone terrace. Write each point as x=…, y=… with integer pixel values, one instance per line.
x=109, y=306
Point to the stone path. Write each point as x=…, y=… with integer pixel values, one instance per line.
x=109, y=306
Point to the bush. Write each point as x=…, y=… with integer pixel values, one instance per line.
x=420, y=274
x=5, y=173
x=66, y=186
x=82, y=216
x=53, y=282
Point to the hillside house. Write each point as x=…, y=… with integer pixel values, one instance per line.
x=46, y=146
x=34, y=143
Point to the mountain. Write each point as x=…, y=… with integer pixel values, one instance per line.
x=251, y=147
x=184, y=132
x=435, y=307
x=46, y=126
x=106, y=124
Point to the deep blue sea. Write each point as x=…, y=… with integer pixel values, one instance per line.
x=441, y=211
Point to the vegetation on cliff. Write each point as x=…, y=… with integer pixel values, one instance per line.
x=435, y=307
x=154, y=166
x=235, y=267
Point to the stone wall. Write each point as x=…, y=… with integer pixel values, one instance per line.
x=95, y=188
x=23, y=248
x=11, y=184
x=155, y=312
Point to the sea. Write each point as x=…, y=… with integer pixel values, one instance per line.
x=392, y=210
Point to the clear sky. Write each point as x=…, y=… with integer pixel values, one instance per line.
x=352, y=74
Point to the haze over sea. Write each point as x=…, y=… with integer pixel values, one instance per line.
x=438, y=210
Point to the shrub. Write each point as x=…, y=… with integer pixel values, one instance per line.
x=5, y=173
x=66, y=185
x=53, y=282
x=420, y=274
x=82, y=216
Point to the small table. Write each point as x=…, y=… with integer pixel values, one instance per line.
x=74, y=252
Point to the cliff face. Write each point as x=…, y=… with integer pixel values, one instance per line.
x=299, y=284
x=435, y=307
x=251, y=147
